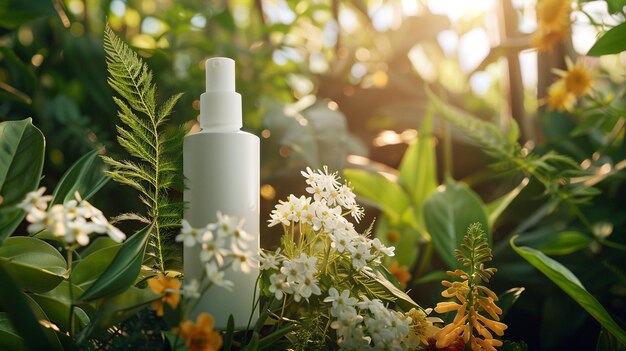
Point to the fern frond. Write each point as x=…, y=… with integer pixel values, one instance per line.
x=156, y=168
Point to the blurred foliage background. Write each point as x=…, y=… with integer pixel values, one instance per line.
x=339, y=83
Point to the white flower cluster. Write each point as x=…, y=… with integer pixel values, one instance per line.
x=367, y=324
x=222, y=244
x=325, y=212
x=295, y=277
x=73, y=221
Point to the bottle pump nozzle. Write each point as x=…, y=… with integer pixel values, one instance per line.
x=220, y=105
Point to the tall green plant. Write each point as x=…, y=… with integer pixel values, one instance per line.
x=155, y=165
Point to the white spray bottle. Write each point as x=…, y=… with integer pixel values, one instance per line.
x=221, y=169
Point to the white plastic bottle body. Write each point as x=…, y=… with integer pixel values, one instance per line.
x=221, y=172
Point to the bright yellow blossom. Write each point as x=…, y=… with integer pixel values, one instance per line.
x=553, y=23
x=200, y=336
x=559, y=98
x=578, y=79
x=169, y=288
x=553, y=15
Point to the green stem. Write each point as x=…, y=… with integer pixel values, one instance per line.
x=71, y=292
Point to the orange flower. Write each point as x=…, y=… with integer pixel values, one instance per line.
x=200, y=336
x=169, y=288
x=400, y=272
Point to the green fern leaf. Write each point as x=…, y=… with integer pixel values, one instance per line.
x=156, y=167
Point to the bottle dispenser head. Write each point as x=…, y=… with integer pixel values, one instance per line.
x=220, y=105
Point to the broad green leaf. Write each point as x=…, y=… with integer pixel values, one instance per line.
x=21, y=162
x=23, y=318
x=418, y=169
x=497, y=207
x=85, y=176
x=567, y=281
x=9, y=339
x=56, y=305
x=34, y=264
x=448, y=213
x=507, y=299
x=612, y=42
x=565, y=243
x=88, y=269
x=615, y=6
x=384, y=193
x=101, y=242
x=123, y=270
x=117, y=308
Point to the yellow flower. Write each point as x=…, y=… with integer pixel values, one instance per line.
x=545, y=40
x=578, y=79
x=559, y=98
x=553, y=23
x=400, y=272
x=169, y=288
x=200, y=336
x=553, y=15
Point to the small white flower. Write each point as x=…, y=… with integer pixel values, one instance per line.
x=190, y=236
x=270, y=260
x=307, y=287
x=340, y=302
x=192, y=290
x=35, y=200
x=115, y=234
x=360, y=255
x=293, y=271
x=378, y=246
x=241, y=261
x=278, y=285
x=215, y=276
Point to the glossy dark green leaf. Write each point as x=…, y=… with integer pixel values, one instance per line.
x=23, y=318
x=21, y=162
x=567, y=281
x=101, y=242
x=123, y=270
x=497, y=207
x=117, y=308
x=612, y=42
x=56, y=304
x=615, y=6
x=34, y=264
x=88, y=269
x=384, y=193
x=565, y=243
x=448, y=213
x=85, y=176
x=9, y=339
